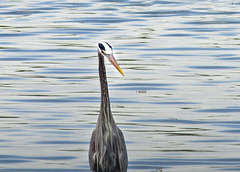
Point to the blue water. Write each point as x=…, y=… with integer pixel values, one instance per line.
x=178, y=104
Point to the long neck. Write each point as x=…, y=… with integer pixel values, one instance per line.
x=105, y=110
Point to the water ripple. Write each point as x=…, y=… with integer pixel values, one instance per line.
x=180, y=93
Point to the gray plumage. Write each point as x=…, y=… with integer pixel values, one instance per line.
x=107, y=150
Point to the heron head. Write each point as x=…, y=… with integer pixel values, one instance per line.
x=106, y=50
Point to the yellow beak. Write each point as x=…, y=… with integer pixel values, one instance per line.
x=114, y=62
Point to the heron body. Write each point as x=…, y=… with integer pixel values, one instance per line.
x=107, y=150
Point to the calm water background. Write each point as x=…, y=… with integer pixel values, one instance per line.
x=178, y=103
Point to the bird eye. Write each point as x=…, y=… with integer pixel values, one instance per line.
x=101, y=46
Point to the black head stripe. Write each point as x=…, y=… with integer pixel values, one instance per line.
x=109, y=45
x=100, y=45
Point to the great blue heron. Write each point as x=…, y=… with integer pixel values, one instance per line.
x=107, y=150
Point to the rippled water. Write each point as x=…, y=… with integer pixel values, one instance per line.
x=178, y=103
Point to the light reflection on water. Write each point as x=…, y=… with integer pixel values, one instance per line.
x=178, y=104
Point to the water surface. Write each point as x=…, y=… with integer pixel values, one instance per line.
x=177, y=105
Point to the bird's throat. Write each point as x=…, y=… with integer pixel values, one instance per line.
x=105, y=110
